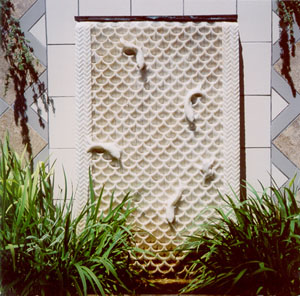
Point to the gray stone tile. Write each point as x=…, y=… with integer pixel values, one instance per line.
x=3, y=106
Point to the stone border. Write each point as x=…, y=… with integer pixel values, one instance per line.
x=231, y=106
x=83, y=112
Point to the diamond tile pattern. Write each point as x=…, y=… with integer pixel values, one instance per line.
x=285, y=109
x=23, y=9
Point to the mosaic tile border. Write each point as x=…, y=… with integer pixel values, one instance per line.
x=285, y=118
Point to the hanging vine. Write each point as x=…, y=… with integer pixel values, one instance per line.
x=21, y=70
x=289, y=12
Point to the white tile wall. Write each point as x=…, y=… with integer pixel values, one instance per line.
x=257, y=68
x=64, y=160
x=62, y=120
x=60, y=21
x=209, y=7
x=61, y=70
x=104, y=7
x=257, y=121
x=157, y=7
x=258, y=167
x=254, y=18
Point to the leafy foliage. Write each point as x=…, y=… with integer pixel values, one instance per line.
x=288, y=12
x=251, y=248
x=42, y=250
x=21, y=71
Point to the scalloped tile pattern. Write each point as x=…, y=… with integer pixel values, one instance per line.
x=142, y=111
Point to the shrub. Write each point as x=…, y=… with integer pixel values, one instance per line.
x=42, y=250
x=252, y=247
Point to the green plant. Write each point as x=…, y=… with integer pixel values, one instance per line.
x=42, y=250
x=21, y=69
x=288, y=12
x=251, y=248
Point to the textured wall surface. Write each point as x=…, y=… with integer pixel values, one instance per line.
x=269, y=112
x=268, y=108
x=256, y=49
x=163, y=119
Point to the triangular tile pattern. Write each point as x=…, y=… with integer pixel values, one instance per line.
x=39, y=30
x=3, y=106
x=278, y=177
x=278, y=104
x=275, y=27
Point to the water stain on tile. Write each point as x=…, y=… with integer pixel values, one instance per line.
x=295, y=67
x=7, y=124
x=288, y=142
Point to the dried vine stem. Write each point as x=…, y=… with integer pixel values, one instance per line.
x=289, y=12
x=21, y=72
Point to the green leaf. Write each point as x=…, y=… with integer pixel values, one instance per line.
x=82, y=277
